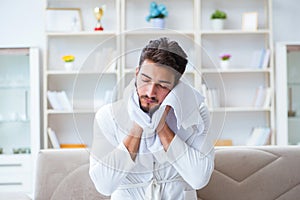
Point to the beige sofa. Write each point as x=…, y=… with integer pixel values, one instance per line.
x=241, y=173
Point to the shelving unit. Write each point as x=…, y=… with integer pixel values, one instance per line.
x=238, y=84
x=128, y=34
x=86, y=85
x=288, y=87
x=19, y=117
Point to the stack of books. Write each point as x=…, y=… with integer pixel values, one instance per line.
x=259, y=136
x=59, y=100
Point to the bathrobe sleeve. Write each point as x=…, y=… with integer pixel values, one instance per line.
x=110, y=161
x=194, y=158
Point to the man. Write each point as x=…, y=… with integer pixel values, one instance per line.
x=153, y=143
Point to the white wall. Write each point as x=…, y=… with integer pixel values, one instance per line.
x=286, y=25
x=22, y=23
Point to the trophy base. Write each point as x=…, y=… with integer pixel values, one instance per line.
x=98, y=28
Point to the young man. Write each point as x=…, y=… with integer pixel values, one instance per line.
x=153, y=144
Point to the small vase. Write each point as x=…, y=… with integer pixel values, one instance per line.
x=224, y=64
x=217, y=24
x=158, y=23
x=69, y=66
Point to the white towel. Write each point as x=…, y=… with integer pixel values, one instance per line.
x=184, y=100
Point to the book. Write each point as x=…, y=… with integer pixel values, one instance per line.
x=260, y=58
x=223, y=142
x=73, y=146
x=214, y=97
x=263, y=97
x=63, y=100
x=259, y=136
x=53, y=139
x=268, y=97
x=266, y=58
x=54, y=102
x=259, y=97
x=205, y=95
x=59, y=100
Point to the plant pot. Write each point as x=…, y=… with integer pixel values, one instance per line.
x=69, y=66
x=158, y=23
x=224, y=64
x=217, y=24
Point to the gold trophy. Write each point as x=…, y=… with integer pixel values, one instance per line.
x=98, y=14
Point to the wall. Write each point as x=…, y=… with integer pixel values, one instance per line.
x=22, y=23
x=286, y=16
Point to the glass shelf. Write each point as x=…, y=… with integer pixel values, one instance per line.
x=13, y=87
x=293, y=83
x=14, y=121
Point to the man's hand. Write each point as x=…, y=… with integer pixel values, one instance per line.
x=162, y=121
x=133, y=139
x=165, y=134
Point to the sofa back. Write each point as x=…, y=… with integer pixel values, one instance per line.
x=261, y=173
x=264, y=173
x=63, y=175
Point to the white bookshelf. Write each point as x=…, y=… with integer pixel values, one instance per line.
x=238, y=83
x=128, y=34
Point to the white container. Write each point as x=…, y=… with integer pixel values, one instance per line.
x=217, y=24
x=69, y=66
x=158, y=23
x=224, y=64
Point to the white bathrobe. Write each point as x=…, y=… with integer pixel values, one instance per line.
x=155, y=174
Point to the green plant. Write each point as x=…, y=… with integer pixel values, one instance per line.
x=218, y=14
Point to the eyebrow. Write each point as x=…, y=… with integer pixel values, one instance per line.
x=161, y=81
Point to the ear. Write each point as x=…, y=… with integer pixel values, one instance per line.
x=137, y=69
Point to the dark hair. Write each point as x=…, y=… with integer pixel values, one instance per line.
x=165, y=52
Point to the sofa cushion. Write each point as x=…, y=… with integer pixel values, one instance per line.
x=248, y=173
x=78, y=185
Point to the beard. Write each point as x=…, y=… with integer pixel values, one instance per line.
x=150, y=109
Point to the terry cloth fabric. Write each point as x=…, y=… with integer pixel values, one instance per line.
x=185, y=102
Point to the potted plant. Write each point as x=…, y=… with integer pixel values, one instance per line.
x=224, y=62
x=69, y=60
x=157, y=14
x=218, y=18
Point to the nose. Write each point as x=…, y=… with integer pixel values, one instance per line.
x=151, y=90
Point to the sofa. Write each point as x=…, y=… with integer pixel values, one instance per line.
x=241, y=173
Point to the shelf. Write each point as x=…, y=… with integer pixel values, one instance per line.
x=294, y=83
x=239, y=109
x=297, y=118
x=236, y=70
x=82, y=33
x=83, y=111
x=12, y=87
x=234, y=32
x=62, y=72
x=151, y=31
x=19, y=156
x=14, y=121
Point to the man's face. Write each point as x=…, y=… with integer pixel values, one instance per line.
x=154, y=82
